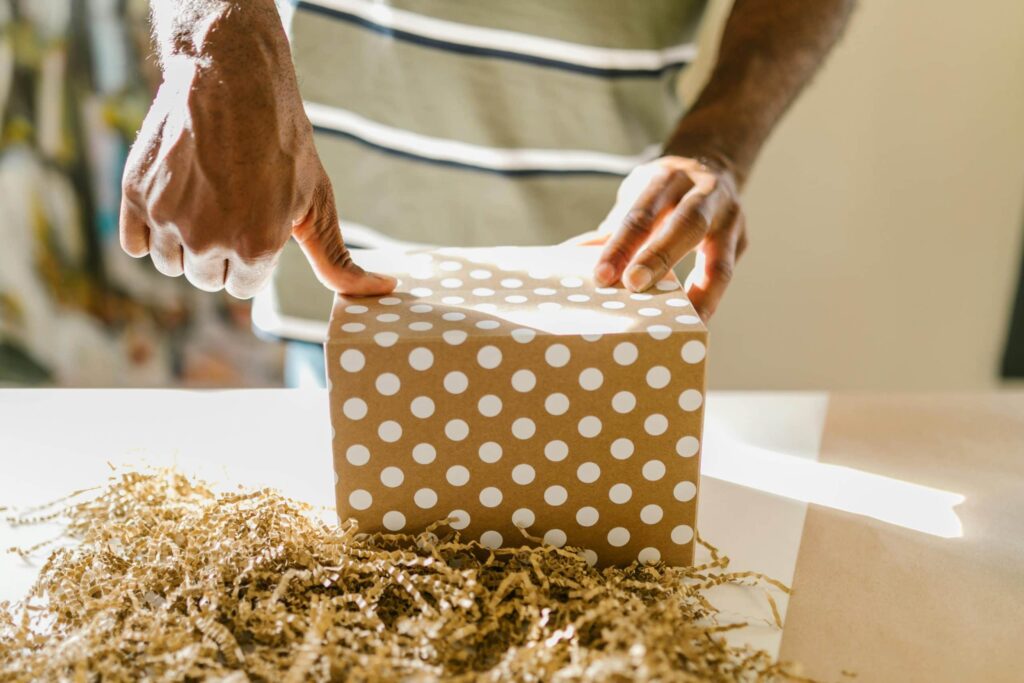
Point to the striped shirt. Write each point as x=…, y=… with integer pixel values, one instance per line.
x=481, y=122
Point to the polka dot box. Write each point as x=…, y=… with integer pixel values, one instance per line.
x=501, y=387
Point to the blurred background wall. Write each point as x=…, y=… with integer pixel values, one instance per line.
x=885, y=214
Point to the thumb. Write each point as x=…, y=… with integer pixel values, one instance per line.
x=319, y=235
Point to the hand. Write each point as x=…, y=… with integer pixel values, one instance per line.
x=665, y=209
x=224, y=170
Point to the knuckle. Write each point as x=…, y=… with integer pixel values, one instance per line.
x=637, y=221
x=722, y=269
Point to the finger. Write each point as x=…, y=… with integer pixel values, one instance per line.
x=636, y=225
x=245, y=280
x=134, y=233
x=320, y=238
x=167, y=254
x=679, y=235
x=206, y=272
x=720, y=252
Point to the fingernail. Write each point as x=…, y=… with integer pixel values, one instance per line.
x=639, y=278
x=604, y=273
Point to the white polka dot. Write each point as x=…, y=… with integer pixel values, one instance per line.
x=523, y=335
x=623, y=402
x=618, y=537
x=677, y=303
x=591, y=337
x=451, y=283
x=651, y=514
x=485, y=308
x=557, y=355
x=489, y=405
x=388, y=383
x=356, y=309
x=357, y=454
x=392, y=477
x=555, y=538
x=589, y=556
x=422, y=407
x=354, y=408
x=578, y=298
x=491, y=539
x=511, y=283
x=667, y=285
x=455, y=382
x=571, y=282
x=490, y=452
x=588, y=472
x=693, y=351
x=360, y=499
x=620, y=493
x=544, y=291
x=353, y=327
x=625, y=353
x=489, y=357
x=684, y=491
x=454, y=337
x=659, y=332
x=653, y=470
x=421, y=308
x=523, y=428
x=421, y=326
x=607, y=290
x=421, y=291
x=613, y=305
x=394, y=520
x=688, y=446
x=523, y=380
x=622, y=448
x=388, y=318
x=516, y=299
x=690, y=400
x=389, y=301
x=555, y=495
x=352, y=360
x=483, y=291
x=480, y=274
x=682, y=534
x=549, y=306
x=656, y=424
x=453, y=316
x=385, y=339
x=640, y=297
x=556, y=450
x=425, y=498
x=389, y=431
x=457, y=475
x=488, y=324
x=591, y=379
x=587, y=516
x=523, y=474
x=658, y=377
x=687, y=319
x=421, y=358
x=424, y=453
x=649, y=555
x=557, y=404
x=450, y=266
x=523, y=518
x=460, y=519
x=589, y=426
x=490, y=497
x=649, y=312
x=456, y=430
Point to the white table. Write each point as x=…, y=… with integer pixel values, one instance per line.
x=762, y=464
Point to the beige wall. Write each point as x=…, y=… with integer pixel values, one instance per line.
x=886, y=212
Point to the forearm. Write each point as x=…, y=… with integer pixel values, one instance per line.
x=769, y=51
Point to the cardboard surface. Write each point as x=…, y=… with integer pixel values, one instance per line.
x=503, y=388
x=890, y=602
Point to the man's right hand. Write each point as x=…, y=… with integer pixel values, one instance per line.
x=224, y=169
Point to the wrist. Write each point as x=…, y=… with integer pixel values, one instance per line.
x=715, y=142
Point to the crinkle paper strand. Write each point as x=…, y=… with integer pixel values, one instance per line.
x=168, y=581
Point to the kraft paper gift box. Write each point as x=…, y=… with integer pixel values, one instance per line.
x=502, y=388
